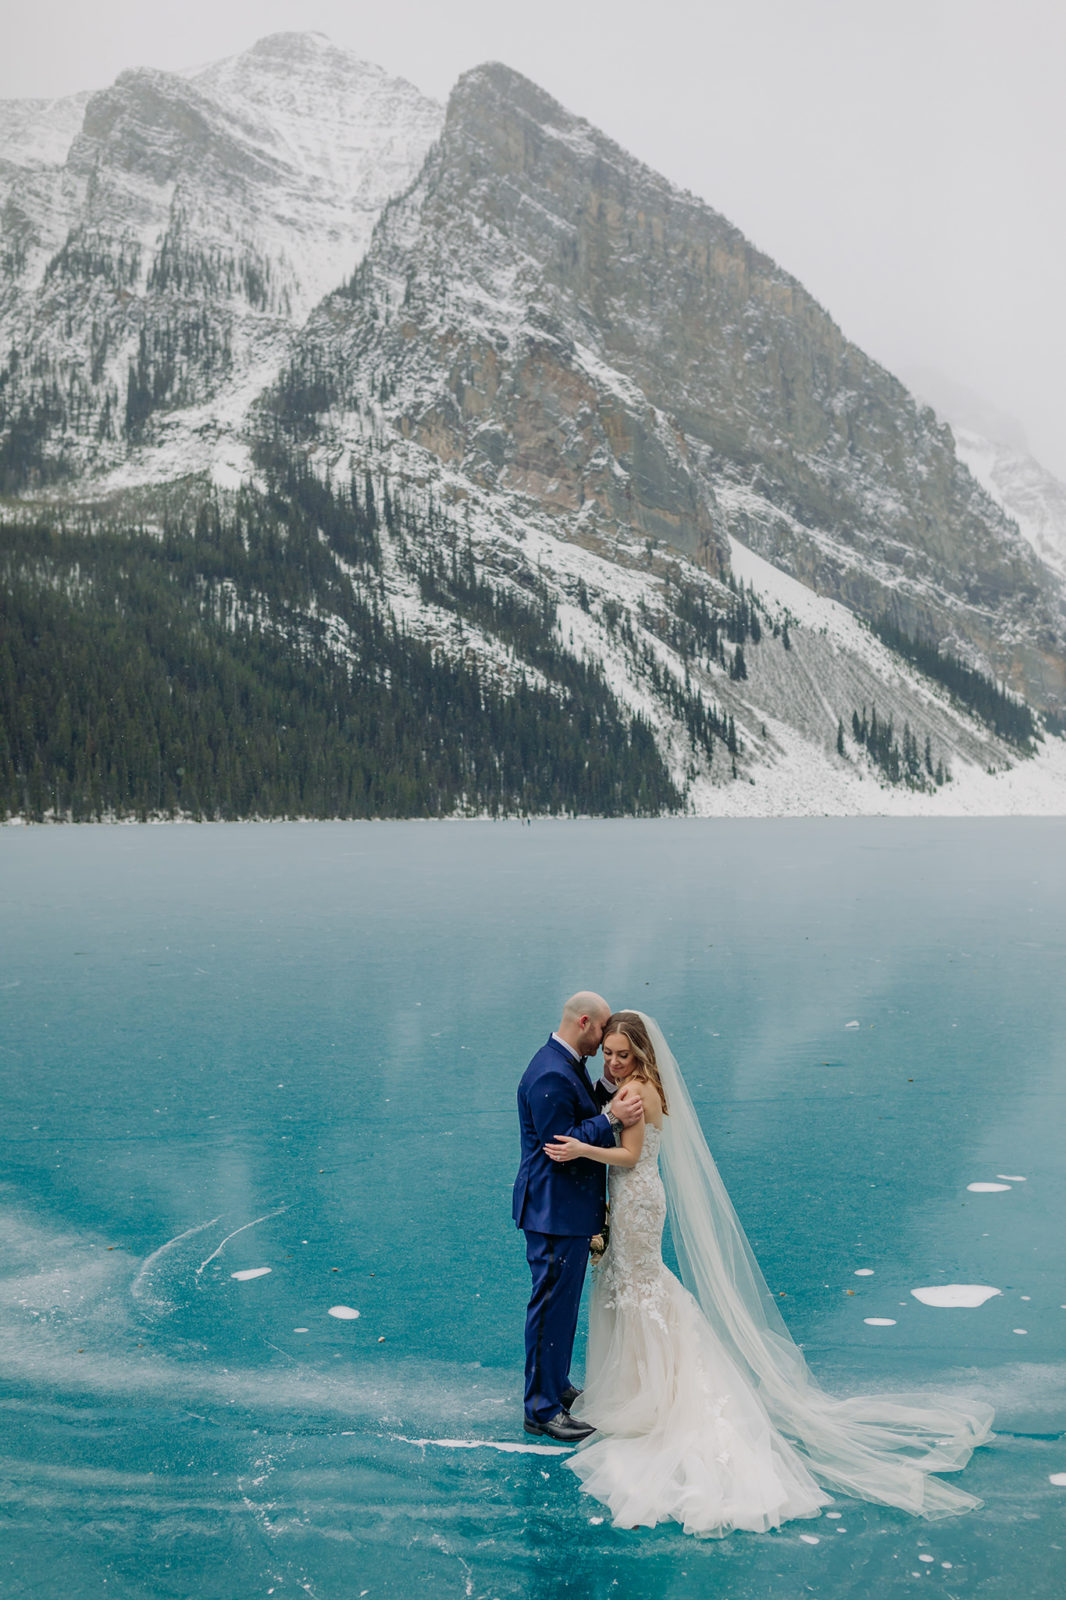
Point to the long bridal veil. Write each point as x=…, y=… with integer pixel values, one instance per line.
x=880, y=1447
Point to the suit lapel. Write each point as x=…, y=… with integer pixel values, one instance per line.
x=579, y=1071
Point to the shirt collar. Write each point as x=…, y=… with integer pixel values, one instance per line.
x=567, y=1047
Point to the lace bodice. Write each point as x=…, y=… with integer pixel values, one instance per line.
x=631, y=1269
x=619, y=1178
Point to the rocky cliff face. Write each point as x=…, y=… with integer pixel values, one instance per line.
x=557, y=322
x=153, y=277
x=1023, y=486
x=608, y=453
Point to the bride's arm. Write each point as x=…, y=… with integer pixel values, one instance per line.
x=624, y=1155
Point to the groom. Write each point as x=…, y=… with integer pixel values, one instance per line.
x=559, y=1206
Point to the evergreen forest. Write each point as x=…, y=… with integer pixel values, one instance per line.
x=243, y=663
x=1009, y=718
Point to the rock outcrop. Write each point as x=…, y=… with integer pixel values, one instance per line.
x=152, y=280
x=552, y=319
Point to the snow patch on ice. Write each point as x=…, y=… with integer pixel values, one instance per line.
x=503, y=1445
x=956, y=1294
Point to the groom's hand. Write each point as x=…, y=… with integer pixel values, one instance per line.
x=627, y=1106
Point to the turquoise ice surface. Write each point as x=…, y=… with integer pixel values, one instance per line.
x=295, y=1047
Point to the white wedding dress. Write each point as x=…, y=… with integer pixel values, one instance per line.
x=704, y=1408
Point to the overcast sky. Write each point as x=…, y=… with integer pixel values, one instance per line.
x=903, y=158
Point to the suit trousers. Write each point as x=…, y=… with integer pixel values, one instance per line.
x=557, y=1263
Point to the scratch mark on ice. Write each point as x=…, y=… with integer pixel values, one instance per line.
x=265, y=1218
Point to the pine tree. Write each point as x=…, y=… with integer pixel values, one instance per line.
x=191, y=673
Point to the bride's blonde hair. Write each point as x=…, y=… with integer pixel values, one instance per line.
x=646, y=1069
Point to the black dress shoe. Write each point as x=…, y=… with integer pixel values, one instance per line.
x=568, y=1396
x=562, y=1427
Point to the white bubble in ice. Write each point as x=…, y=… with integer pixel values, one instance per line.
x=251, y=1272
x=1008, y=1179
x=810, y=1538
x=1058, y=1479
x=343, y=1313
x=955, y=1294
x=926, y=1558
x=987, y=1188
x=863, y=1272
x=847, y=1025
x=1019, y=1330
x=301, y=1330
x=880, y=1322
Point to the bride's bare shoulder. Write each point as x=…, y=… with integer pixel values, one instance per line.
x=653, y=1106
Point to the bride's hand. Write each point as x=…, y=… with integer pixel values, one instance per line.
x=562, y=1149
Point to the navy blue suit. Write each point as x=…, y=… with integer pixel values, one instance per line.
x=559, y=1206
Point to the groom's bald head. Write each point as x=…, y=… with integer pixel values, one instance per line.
x=583, y=1019
x=586, y=1004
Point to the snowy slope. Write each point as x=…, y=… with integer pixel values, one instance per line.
x=344, y=137
x=39, y=133
x=840, y=659
x=615, y=603
x=1026, y=490
x=992, y=444
x=610, y=394
x=186, y=229
x=545, y=313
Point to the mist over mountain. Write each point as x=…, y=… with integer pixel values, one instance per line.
x=993, y=445
x=471, y=416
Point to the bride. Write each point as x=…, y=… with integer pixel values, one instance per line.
x=704, y=1409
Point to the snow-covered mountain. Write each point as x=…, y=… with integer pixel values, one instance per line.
x=1026, y=490
x=154, y=270
x=615, y=445
x=994, y=448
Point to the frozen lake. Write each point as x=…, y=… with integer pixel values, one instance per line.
x=256, y=1075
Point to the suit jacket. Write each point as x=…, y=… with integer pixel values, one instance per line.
x=555, y=1096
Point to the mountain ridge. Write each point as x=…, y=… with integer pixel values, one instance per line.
x=185, y=215
x=750, y=374
x=606, y=447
